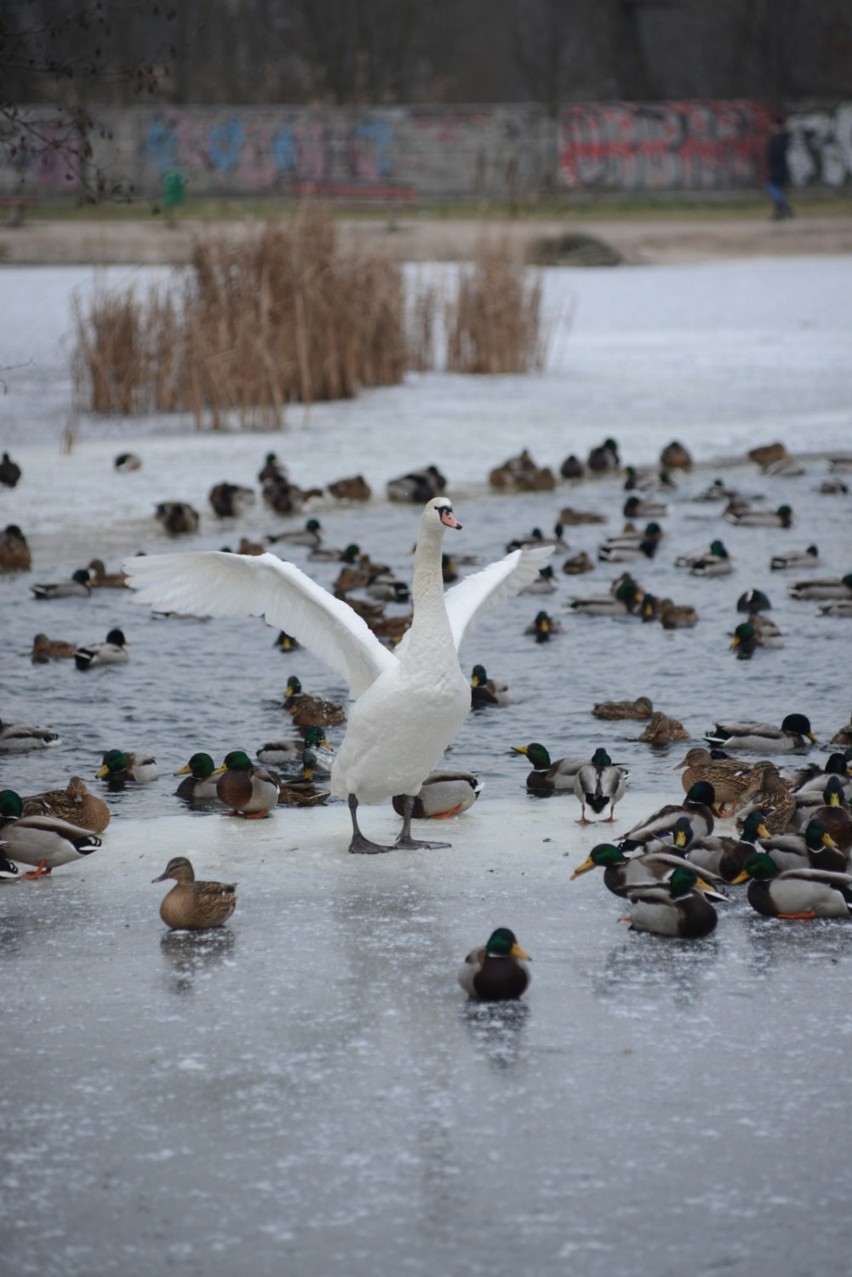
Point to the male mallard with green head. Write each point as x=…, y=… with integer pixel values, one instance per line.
x=497, y=971
x=248, y=790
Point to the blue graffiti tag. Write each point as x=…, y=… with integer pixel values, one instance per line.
x=161, y=144
x=225, y=145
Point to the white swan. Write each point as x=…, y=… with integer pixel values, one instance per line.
x=408, y=704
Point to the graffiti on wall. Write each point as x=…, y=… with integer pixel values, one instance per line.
x=631, y=146
x=821, y=147
x=272, y=150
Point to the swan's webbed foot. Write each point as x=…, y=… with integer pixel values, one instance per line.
x=412, y=844
x=363, y=846
x=359, y=844
x=405, y=842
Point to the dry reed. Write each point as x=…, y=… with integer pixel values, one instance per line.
x=494, y=323
x=287, y=314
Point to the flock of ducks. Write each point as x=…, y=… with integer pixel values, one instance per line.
x=410, y=698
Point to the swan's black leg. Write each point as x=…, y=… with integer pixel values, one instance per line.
x=405, y=841
x=359, y=843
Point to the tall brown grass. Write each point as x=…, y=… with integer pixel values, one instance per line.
x=291, y=313
x=494, y=323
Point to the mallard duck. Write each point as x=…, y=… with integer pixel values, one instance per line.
x=572, y=468
x=272, y=468
x=445, y=792
x=812, y=847
x=795, y=893
x=74, y=804
x=629, y=547
x=718, y=490
x=485, y=691
x=663, y=730
x=118, y=766
x=798, y=559
x=624, y=601
x=764, y=454
x=230, y=500
x=543, y=626
x=751, y=635
x=577, y=564
x=521, y=474
x=599, y=783
x=410, y=702
x=781, y=518
x=288, y=753
x=302, y=792
x=769, y=792
x=248, y=790
x=840, y=608
x=794, y=733
x=191, y=905
x=716, y=561
x=100, y=579
x=834, y=814
x=828, y=588
x=730, y=779
x=544, y=583
x=126, y=463
x=309, y=535
x=352, y=488
x=621, y=871
x=496, y=972
x=19, y=738
x=43, y=841
x=15, y=554
x=613, y=711
x=286, y=643
x=546, y=776
x=112, y=652
x=677, y=616
x=843, y=735
x=677, y=907
x=177, y=517
x=644, y=508
x=675, y=456
x=418, y=486
x=311, y=711
x=647, y=479
x=604, y=458
x=537, y=537
x=570, y=517
x=46, y=650
x=200, y=783
x=724, y=855
x=698, y=807
x=78, y=586
x=808, y=782
x=10, y=471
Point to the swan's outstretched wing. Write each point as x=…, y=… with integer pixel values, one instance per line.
x=477, y=593
x=215, y=583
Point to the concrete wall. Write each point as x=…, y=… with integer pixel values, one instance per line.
x=467, y=152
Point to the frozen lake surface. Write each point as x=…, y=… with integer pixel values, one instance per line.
x=307, y=1091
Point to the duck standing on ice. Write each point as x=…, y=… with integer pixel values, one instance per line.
x=409, y=703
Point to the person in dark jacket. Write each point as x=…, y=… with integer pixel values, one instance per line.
x=777, y=167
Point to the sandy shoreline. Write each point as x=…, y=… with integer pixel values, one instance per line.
x=639, y=241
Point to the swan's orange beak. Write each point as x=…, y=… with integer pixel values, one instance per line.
x=449, y=520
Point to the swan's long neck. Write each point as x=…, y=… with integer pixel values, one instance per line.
x=430, y=613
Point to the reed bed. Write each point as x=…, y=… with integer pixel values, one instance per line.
x=494, y=323
x=292, y=314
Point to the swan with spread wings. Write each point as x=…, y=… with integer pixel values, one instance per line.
x=408, y=704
